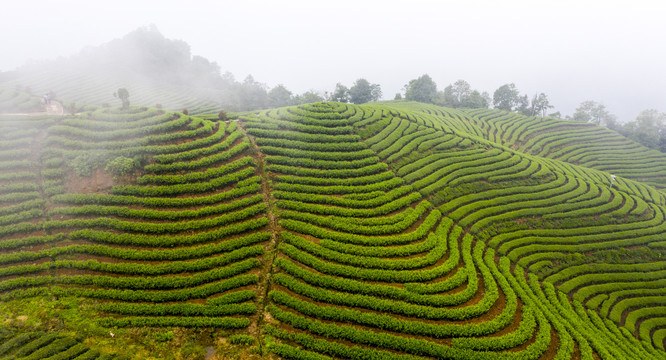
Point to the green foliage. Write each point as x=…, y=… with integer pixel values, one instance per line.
x=205, y=161
x=241, y=339
x=155, y=228
x=362, y=92
x=163, y=336
x=85, y=163
x=123, y=95
x=395, y=231
x=422, y=89
x=649, y=129
x=53, y=346
x=340, y=94
x=222, y=115
x=248, y=186
x=506, y=97
x=120, y=166
x=166, y=321
x=590, y=111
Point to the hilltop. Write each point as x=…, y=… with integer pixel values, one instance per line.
x=156, y=70
x=392, y=230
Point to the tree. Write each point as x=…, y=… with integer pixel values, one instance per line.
x=648, y=129
x=540, y=104
x=398, y=96
x=422, y=89
x=340, y=94
x=222, y=115
x=476, y=100
x=523, y=105
x=461, y=90
x=447, y=97
x=584, y=111
x=308, y=97
x=591, y=111
x=253, y=94
x=362, y=92
x=123, y=95
x=486, y=98
x=279, y=96
x=556, y=115
x=506, y=97
x=457, y=94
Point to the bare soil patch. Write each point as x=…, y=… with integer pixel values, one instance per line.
x=100, y=182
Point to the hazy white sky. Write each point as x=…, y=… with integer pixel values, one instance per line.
x=573, y=50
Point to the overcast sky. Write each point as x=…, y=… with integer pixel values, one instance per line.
x=609, y=51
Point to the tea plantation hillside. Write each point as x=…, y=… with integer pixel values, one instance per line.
x=574, y=142
x=387, y=231
x=86, y=89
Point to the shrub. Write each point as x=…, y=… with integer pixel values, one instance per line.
x=163, y=337
x=85, y=163
x=222, y=115
x=120, y=166
x=241, y=339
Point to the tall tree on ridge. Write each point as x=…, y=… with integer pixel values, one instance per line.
x=340, y=94
x=362, y=92
x=507, y=97
x=422, y=89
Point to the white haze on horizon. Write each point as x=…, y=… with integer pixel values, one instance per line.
x=607, y=51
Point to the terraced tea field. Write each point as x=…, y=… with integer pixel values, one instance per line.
x=387, y=231
x=98, y=89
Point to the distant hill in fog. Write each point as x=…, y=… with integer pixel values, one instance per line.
x=154, y=69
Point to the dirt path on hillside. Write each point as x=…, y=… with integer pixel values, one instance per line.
x=52, y=108
x=264, y=285
x=55, y=108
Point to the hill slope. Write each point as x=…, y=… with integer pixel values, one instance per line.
x=328, y=230
x=154, y=69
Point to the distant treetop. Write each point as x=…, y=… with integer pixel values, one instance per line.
x=422, y=89
x=362, y=92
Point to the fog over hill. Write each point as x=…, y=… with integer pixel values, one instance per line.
x=155, y=70
x=144, y=61
x=573, y=51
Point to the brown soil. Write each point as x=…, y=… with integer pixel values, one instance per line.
x=99, y=182
x=513, y=326
x=576, y=351
x=595, y=355
x=553, y=346
x=55, y=108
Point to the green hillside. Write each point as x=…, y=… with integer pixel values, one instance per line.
x=392, y=230
x=98, y=89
